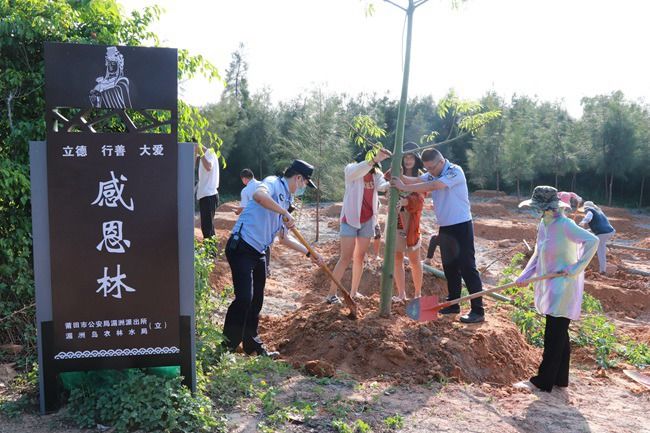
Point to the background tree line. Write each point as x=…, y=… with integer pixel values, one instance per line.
x=603, y=156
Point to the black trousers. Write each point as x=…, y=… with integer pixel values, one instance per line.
x=267, y=253
x=248, y=268
x=433, y=244
x=208, y=206
x=457, y=253
x=554, y=369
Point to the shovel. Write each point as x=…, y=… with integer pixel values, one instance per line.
x=346, y=296
x=638, y=377
x=426, y=308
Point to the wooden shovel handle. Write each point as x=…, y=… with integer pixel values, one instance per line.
x=496, y=289
x=346, y=295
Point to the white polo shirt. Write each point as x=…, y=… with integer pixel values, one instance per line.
x=247, y=192
x=451, y=203
x=208, y=180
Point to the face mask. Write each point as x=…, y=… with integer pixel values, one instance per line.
x=300, y=191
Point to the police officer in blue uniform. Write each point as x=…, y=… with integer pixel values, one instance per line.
x=448, y=187
x=264, y=218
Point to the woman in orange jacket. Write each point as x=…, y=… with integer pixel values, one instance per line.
x=408, y=239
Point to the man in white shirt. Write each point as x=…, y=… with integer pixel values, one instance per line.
x=206, y=188
x=250, y=185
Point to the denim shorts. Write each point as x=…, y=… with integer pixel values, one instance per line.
x=367, y=230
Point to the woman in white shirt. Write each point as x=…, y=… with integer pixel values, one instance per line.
x=363, y=179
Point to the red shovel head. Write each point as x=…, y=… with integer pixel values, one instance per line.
x=423, y=309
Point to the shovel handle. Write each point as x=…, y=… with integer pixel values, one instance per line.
x=346, y=295
x=497, y=289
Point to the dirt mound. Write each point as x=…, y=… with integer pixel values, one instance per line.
x=498, y=229
x=228, y=206
x=225, y=220
x=644, y=243
x=490, y=210
x=400, y=348
x=320, y=369
x=620, y=292
x=220, y=276
x=488, y=193
x=333, y=210
x=509, y=201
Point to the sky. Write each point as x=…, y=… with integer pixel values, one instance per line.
x=555, y=50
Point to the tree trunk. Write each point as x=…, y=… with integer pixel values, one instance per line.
x=556, y=182
x=573, y=182
x=606, y=187
x=317, y=207
x=518, y=190
x=611, y=185
x=641, y=195
x=391, y=222
x=498, y=184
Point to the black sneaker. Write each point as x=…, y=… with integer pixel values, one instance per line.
x=263, y=352
x=452, y=309
x=472, y=317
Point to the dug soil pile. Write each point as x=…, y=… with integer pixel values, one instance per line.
x=401, y=349
x=396, y=348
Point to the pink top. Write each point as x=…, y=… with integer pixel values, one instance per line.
x=561, y=246
x=567, y=196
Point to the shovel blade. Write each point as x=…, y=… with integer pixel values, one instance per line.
x=423, y=309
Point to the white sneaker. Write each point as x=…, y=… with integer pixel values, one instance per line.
x=359, y=296
x=524, y=384
x=332, y=299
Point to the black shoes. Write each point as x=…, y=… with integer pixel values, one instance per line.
x=472, y=317
x=263, y=352
x=452, y=309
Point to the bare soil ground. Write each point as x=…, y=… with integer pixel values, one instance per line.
x=441, y=375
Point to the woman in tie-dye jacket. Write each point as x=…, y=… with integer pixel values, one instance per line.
x=565, y=248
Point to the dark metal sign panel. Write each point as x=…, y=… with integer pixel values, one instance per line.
x=110, y=77
x=112, y=194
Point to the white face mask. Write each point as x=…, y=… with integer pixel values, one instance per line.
x=300, y=191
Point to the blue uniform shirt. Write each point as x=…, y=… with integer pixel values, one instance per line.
x=259, y=226
x=451, y=203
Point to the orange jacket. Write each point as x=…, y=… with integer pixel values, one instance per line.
x=414, y=209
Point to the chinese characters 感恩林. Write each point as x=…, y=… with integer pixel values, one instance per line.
x=110, y=195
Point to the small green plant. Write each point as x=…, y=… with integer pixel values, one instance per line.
x=208, y=333
x=359, y=426
x=598, y=332
x=22, y=394
x=637, y=354
x=142, y=401
x=394, y=422
x=235, y=377
x=341, y=426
